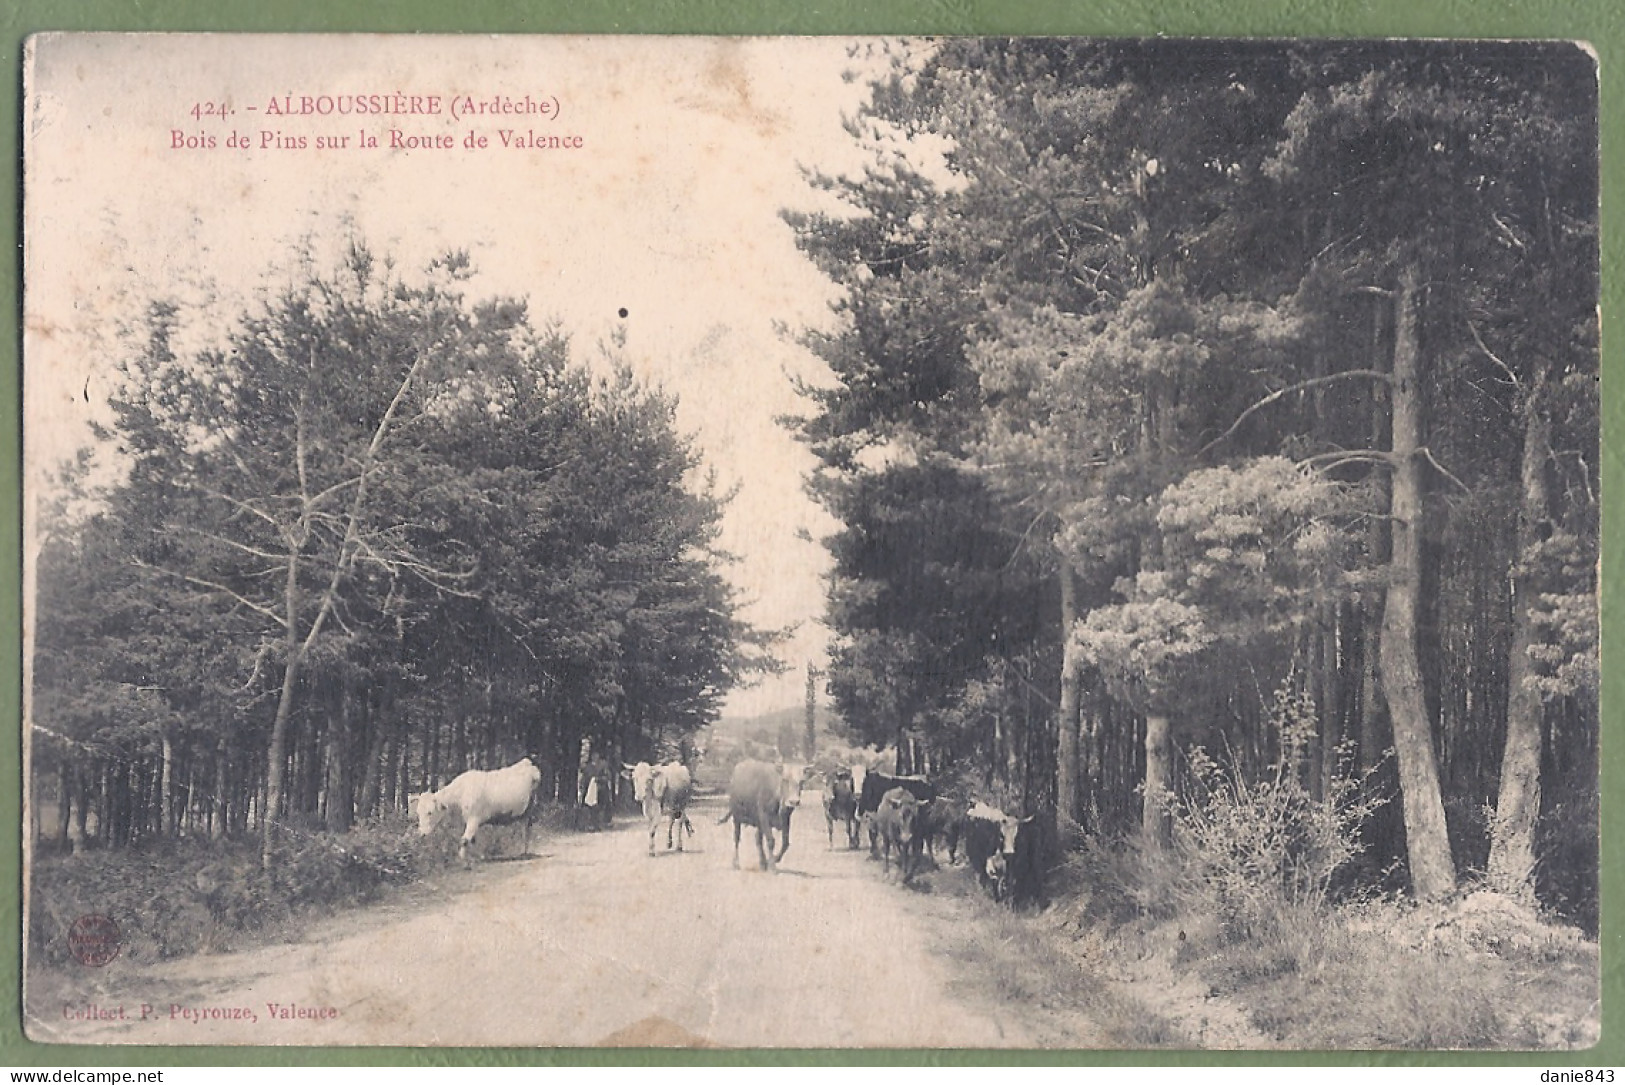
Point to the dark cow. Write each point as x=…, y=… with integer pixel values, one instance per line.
x=984, y=839
x=595, y=797
x=1004, y=853
x=1023, y=866
x=896, y=821
x=875, y=786
x=841, y=804
x=483, y=798
x=942, y=819
x=764, y=796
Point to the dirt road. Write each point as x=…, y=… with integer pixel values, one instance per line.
x=589, y=941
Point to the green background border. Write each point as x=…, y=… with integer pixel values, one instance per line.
x=1595, y=21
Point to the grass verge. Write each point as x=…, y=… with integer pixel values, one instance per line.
x=1014, y=960
x=175, y=898
x=1481, y=973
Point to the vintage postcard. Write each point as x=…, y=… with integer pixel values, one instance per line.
x=1047, y=543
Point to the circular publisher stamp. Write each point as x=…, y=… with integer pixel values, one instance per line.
x=94, y=940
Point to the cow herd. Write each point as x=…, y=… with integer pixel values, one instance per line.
x=905, y=815
x=906, y=821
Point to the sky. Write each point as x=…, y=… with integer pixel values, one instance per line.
x=191, y=165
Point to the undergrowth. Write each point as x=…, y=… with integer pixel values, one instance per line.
x=174, y=898
x=1247, y=894
x=1014, y=961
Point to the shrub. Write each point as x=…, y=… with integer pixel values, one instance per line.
x=1567, y=878
x=172, y=898
x=1249, y=849
x=1121, y=881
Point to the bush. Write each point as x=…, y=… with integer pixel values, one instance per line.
x=1567, y=877
x=1250, y=893
x=317, y=869
x=1122, y=881
x=174, y=898
x=147, y=891
x=1249, y=851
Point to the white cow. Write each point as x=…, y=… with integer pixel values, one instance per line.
x=483, y=798
x=664, y=792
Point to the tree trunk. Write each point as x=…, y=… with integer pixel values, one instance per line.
x=245, y=788
x=217, y=800
x=276, y=766
x=276, y=757
x=337, y=800
x=155, y=806
x=1067, y=807
x=1427, y=841
x=166, y=789
x=459, y=737
x=127, y=790
x=393, y=774
x=1158, y=748
x=81, y=808
x=431, y=758
x=104, y=806
x=402, y=790
x=812, y=714
x=1512, y=843
x=378, y=767
x=1330, y=702
x=64, y=801
x=1371, y=745
x=114, y=781
x=1090, y=758
x=1371, y=737
x=189, y=810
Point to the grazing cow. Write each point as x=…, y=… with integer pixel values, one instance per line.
x=483, y=798
x=896, y=820
x=595, y=798
x=942, y=818
x=841, y=804
x=664, y=793
x=875, y=786
x=1004, y=853
x=764, y=796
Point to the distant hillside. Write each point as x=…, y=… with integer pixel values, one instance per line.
x=734, y=738
x=764, y=727
x=736, y=726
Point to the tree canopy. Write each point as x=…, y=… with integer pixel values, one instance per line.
x=1216, y=363
x=380, y=534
